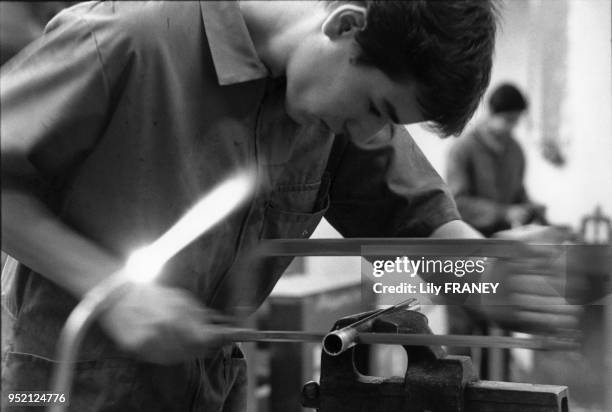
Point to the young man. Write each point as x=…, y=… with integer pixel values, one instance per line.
x=486, y=168
x=125, y=113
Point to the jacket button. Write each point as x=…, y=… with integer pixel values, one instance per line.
x=305, y=233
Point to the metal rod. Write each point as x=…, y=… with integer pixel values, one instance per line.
x=272, y=336
x=411, y=339
x=475, y=341
x=391, y=246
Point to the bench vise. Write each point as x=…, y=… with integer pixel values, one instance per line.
x=433, y=381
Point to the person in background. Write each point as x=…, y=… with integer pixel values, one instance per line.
x=486, y=168
x=485, y=173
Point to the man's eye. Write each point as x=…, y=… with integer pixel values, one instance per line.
x=374, y=110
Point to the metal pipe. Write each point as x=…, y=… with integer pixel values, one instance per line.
x=344, y=338
x=475, y=341
x=407, y=339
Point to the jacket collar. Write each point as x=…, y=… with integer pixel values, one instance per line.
x=231, y=46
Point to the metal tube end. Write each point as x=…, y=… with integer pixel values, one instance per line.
x=338, y=341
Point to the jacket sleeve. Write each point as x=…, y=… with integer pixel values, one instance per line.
x=385, y=187
x=56, y=99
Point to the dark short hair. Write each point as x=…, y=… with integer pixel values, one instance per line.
x=446, y=46
x=507, y=98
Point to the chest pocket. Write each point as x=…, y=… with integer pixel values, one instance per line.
x=294, y=211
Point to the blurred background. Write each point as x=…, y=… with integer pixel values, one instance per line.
x=558, y=53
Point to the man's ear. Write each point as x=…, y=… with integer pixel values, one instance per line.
x=345, y=20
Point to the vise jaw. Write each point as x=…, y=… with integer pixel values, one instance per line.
x=433, y=381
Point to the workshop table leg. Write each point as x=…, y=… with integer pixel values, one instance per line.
x=497, y=362
x=608, y=350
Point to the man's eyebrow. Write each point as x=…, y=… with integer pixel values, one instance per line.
x=391, y=111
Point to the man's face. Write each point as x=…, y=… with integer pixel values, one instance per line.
x=503, y=123
x=326, y=84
